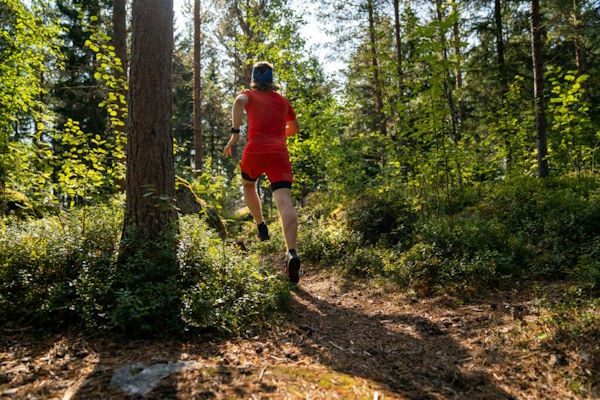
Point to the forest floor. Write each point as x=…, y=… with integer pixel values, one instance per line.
x=346, y=340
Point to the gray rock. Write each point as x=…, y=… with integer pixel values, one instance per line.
x=140, y=379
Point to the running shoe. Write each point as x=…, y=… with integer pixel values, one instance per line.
x=263, y=232
x=292, y=266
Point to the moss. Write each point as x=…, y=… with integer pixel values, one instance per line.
x=339, y=381
x=342, y=384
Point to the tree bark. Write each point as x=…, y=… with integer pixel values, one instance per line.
x=448, y=90
x=458, y=69
x=400, y=73
x=375, y=65
x=538, y=88
x=398, y=47
x=579, y=54
x=502, y=75
x=149, y=210
x=500, y=44
x=198, y=154
x=119, y=41
x=119, y=38
x=447, y=85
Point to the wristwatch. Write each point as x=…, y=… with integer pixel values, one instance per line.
x=235, y=130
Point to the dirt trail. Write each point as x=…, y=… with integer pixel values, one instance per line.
x=341, y=341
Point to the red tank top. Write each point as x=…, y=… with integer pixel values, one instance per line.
x=268, y=112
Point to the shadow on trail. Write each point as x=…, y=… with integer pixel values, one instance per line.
x=408, y=353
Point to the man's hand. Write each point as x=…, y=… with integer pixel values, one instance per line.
x=232, y=141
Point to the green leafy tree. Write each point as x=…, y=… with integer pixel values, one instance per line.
x=76, y=90
x=574, y=139
x=82, y=171
x=28, y=46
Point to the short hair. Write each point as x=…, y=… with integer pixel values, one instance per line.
x=261, y=67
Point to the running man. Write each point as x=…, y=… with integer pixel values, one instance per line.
x=271, y=119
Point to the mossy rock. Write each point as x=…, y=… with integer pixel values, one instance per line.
x=242, y=214
x=188, y=202
x=16, y=203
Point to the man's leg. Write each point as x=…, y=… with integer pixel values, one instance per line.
x=252, y=200
x=288, y=216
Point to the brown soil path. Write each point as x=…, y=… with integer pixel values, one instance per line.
x=341, y=341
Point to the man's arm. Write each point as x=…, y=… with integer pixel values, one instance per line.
x=291, y=128
x=237, y=112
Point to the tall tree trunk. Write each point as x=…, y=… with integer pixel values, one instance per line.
x=399, y=125
x=375, y=64
x=458, y=68
x=538, y=88
x=212, y=148
x=197, y=91
x=119, y=38
x=579, y=54
x=500, y=44
x=502, y=76
x=398, y=48
x=119, y=41
x=448, y=89
x=149, y=210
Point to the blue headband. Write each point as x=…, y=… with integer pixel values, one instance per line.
x=264, y=77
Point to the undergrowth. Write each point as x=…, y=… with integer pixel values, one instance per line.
x=492, y=235
x=62, y=270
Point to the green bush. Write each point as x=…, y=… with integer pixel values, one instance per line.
x=385, y=218
x=223, y=288
x=63, y=270
x=147, y=287
x=418, y=267
x=556, y=219
x=525, y=228
x=47, y=264
x=327, y=242
x=588, y=267
x=364, y=262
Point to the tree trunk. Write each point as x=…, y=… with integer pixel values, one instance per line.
x=398, y=47
x=447, y=86
x=579, y=55
x=197, y=91
x=400, y=73
x=376, y=83
x=448, y=90
x=538, y=88
x=119, y=38
x=502, y=76
x=212, y=148
x=500, y=44
x=457, y=68
x=149, y=210
x=119, y=41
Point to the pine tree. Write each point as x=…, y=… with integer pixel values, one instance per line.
x=198, y=151
x=149, y=211
x=538, y=87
